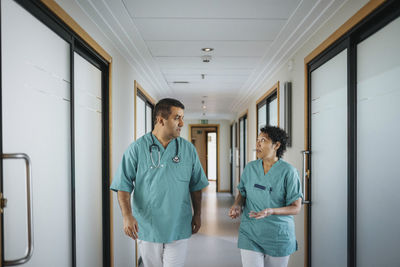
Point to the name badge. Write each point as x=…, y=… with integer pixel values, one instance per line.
x=260, y=186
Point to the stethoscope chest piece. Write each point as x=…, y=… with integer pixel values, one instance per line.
x=153, y=145
x=175, y=159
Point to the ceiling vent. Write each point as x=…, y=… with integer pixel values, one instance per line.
x=180, y=82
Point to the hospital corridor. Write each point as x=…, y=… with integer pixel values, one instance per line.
x=188, y=133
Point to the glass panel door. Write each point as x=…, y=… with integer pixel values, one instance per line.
x=241, y=146
x=378, y=131
x=329, y=163
x=149, y=119
x=36, y=121
x=262, y=117
x=140, y=117
x=88, y=163
x=273, y=112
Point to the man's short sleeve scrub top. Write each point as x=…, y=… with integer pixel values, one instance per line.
x=161, y=200
x=280, y=187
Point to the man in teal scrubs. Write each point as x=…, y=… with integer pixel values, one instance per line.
x=163, y=171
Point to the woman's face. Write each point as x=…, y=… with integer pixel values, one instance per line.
x=265, y=148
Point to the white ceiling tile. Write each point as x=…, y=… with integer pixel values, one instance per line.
x=208, y=29
x=216, y=62
x=221, y=48
x=209, y=71
x=206, y=88
x=211, y=8
x=208, y=78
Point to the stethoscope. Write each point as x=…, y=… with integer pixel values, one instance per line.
x=174, y=159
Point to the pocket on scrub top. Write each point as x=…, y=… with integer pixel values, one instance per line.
x=283, y=232
x=181, y=172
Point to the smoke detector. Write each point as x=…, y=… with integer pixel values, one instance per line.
x=206, y=58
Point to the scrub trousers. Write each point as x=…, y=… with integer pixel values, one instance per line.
x=163, y=254
x=257, y=259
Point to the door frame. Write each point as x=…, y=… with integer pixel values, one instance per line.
x=231, y=156
x=218, y=148
x=207, y=132
x=368, y=20
x=57, y=20
x=244, y=116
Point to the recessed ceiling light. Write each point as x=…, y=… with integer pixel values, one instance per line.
x=207, y=49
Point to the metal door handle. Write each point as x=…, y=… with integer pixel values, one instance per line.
x=29, y=251
x=305, y=173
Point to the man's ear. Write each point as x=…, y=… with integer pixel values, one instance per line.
x=277, y=145
x=160, y=120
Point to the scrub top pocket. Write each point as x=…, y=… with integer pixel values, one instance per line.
x=181, y=172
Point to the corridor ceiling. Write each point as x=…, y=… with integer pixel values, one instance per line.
x=162, y=40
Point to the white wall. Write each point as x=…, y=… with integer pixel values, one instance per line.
x=123, y=76
x=296, y=76
x=224, y=139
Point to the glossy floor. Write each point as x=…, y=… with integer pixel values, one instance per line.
x=216, y=242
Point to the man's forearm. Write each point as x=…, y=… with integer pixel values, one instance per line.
x=124, y=203
x=196, y=202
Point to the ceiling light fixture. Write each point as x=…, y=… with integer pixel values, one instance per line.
x=207, y=49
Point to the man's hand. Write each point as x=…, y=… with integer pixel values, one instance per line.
x=261, y=214
x=235, y=211
x=196, y=223
x=131, y=227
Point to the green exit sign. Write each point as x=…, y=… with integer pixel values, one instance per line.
x=204, y=121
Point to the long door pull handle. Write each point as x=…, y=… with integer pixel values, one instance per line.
x=29, y=251
x=305, y=173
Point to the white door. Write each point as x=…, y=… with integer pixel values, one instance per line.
x=36, y=121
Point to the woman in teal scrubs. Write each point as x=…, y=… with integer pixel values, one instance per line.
x=270, y=193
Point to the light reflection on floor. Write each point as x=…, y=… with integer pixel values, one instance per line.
x=216, y=242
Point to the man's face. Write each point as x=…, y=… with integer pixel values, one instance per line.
x=174, y=123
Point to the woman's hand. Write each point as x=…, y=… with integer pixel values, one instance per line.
x=261, y=214
x=235, y=211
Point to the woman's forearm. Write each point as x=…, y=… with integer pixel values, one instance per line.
x=292, y=209
x=239, y=200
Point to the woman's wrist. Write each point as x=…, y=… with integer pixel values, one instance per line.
x=269, y=211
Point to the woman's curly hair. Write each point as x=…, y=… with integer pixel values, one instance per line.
x=276, y=135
